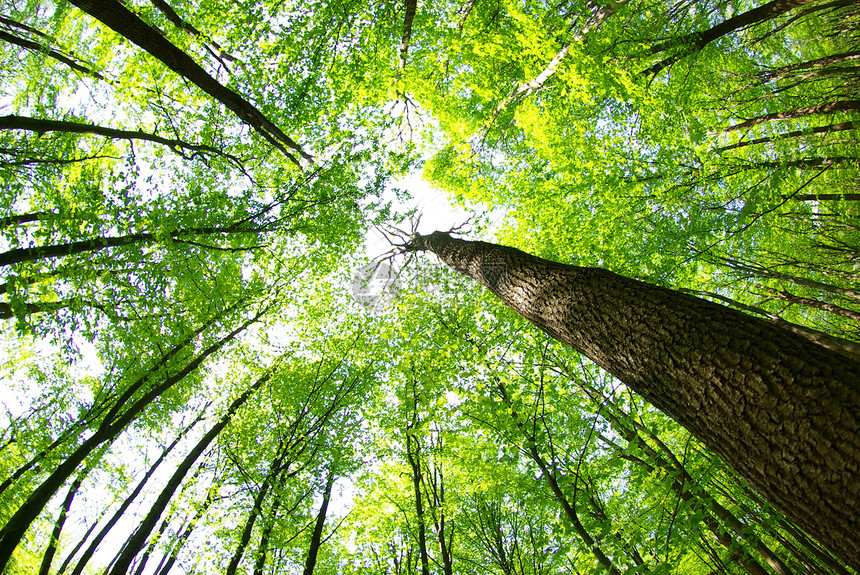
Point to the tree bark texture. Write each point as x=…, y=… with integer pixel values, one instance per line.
x=780, y=410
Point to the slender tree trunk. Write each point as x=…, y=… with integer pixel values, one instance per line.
x=826, y=197
x=549, y=475
x=167, y=565
x=316, y=538
x=20, y=255
x=48, y=558
x=41, y=126
x=688, y=488
x=789, y=297
x=820, y=109
x=263, y=547
x=81, y=541
x=48, y=51
x=762, y=272
x=123, y=21
x=782, y=411
x=842, y=126
x=271, y=477
x=818, y=63
x=212, y=47
x=145, y=527
x=85, y=558
x=413, y=457
x=113, y=423
x=698, y=40
x=18, y=219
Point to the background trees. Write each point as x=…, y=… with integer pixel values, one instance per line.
x=185, y=191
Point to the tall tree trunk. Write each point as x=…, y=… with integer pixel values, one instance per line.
x=177, y=545
x=548, y=474
x=47, y=51
x=48, y=558
x=413, y=456
x=789, y=297
x=263, y=547
x=146, y=525
x=782, y=411
x=316, y=538
x=698, y=40
x=842, y=126
x=113, y=423
x=42, y=126
x=275, y=469
x=82, y=562
x=820, y=109
x=20, y=255
x=123, y=21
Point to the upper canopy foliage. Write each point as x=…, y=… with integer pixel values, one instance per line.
x=181, y=212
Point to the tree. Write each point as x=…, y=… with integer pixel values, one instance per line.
x=768, y=420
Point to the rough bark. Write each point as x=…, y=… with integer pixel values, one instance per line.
x=780, y=410
x=839, y=345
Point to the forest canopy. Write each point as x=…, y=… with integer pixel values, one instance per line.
x=209, y=364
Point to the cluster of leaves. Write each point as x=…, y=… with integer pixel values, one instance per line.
x=183, y=185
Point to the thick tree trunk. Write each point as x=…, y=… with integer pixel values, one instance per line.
x=780, y=410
